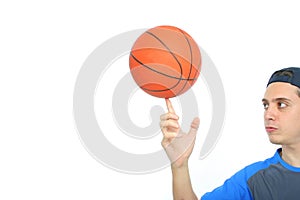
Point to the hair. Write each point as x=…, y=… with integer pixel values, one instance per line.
x=289, y=74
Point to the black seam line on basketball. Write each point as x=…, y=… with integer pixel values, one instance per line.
x=153, y=35
x=174, y=77
x=176, y=57
x=150, y=90
x=189, y=71
x=191, y=60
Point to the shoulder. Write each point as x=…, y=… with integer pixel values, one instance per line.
x=236, y=186
x=253, y=168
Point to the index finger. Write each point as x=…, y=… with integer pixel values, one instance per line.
x=169, y=106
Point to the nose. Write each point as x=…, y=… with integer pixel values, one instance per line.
x=270, y=113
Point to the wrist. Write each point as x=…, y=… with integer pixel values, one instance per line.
x=182, y=166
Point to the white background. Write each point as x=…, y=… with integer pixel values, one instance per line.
x=43, y=46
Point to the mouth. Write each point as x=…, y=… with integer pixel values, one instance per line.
x=270, y=129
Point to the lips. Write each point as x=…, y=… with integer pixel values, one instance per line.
x=270, y=129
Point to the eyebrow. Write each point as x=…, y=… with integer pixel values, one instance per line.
x=277, y=99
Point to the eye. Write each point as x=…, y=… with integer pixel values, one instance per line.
x=281, y=105
x=266, y=106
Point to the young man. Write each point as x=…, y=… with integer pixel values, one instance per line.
x=275, y=178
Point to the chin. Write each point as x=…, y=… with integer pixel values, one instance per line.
x=275, y=140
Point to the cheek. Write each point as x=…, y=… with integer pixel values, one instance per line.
x=296, y=114
x=292, y=120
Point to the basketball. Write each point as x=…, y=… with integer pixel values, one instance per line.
x=165, y=61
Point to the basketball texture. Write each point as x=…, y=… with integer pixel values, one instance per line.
x=165, y=61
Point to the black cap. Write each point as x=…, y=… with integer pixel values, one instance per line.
x=288, y=75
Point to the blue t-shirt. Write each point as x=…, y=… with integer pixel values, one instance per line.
x=272, y=179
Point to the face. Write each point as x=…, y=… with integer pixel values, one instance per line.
x=282, y=113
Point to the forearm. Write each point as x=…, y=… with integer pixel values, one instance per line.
x=182, y=186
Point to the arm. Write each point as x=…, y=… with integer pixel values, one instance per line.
x=179, y=146
x=182, y=187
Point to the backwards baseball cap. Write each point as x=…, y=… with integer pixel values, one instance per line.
x=288, y=75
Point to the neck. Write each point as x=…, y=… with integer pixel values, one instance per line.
x=291, y=155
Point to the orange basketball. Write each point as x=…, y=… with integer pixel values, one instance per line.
x=165, y=61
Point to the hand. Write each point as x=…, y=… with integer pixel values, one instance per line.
x=177, y=144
